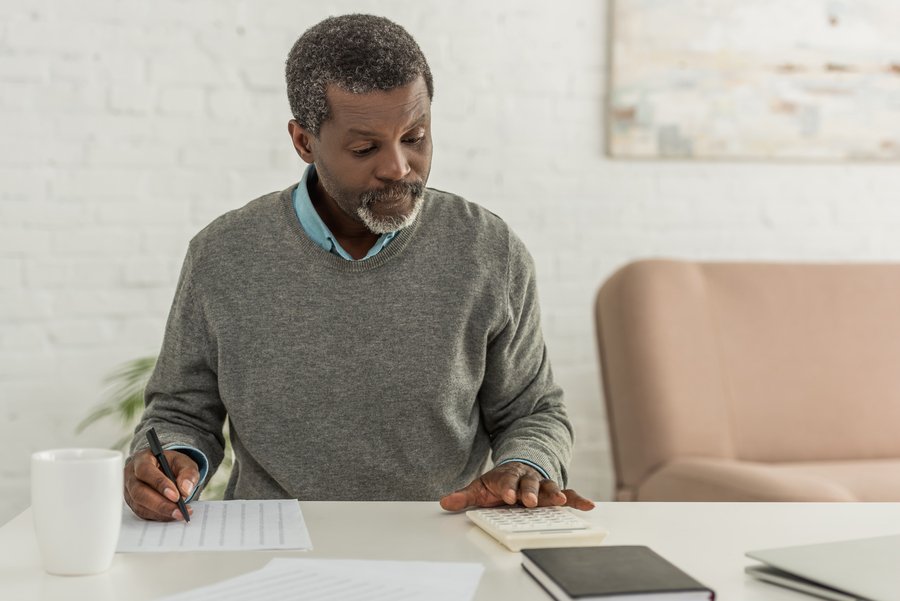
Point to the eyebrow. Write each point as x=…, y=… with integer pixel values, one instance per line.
x=373, y=134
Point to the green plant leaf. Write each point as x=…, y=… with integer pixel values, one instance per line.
x=123, y=400
x=124, y=395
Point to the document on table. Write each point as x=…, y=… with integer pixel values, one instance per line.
x=345, y=580
x=220, y=526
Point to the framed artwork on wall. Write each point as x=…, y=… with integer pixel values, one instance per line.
x=755, y=79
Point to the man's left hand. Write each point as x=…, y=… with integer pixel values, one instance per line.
x=513, y=483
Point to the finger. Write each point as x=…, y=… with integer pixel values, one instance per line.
x=150, y=505
x=185, y=471
x=455, y=501
x=180, y=516
x=143, y=500
x=475, y=494
x=503, y=483
x=462, y=498
x=550, y=494
x=127, y=473
x=529, y=488
x=573, y=499
x=131, y=485
x=147, y=471
x=131, y=503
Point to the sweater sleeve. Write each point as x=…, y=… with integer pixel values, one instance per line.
x=521, y=405
x=181, y=399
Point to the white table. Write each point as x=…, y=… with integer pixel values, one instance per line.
x=708, y=540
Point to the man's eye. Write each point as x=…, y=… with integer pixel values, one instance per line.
x=414, y=140
x=363, y=151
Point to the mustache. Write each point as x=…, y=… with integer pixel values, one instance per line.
x=393, y=192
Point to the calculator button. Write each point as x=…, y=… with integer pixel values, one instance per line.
x=521, y=527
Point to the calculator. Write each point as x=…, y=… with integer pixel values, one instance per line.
x=520, y=527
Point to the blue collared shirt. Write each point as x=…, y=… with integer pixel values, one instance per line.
x=316, y=229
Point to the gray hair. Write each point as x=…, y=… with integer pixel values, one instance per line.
x=359, y=53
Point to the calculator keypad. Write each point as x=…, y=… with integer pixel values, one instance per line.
x=539, y=519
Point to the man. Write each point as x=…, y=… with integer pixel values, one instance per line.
x=366, y=338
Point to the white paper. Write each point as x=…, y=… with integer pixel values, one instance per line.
x=220, y=526
x=345, y=580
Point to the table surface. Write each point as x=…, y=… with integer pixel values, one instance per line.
x=707, y=540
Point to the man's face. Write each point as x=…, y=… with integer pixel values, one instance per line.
x=373, y=155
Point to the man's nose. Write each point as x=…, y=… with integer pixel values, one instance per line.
x=393, y=164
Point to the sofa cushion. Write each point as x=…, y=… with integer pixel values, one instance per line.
x=867, y=480
x=709, y=479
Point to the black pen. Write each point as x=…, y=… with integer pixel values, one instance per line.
x=157, y=451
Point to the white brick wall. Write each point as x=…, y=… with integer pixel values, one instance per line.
x=128, y=125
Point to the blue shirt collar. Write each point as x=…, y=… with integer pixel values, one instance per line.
x=316, y=229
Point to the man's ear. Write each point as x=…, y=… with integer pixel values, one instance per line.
x=303, y=141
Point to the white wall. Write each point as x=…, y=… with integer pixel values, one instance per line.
x=128, y=125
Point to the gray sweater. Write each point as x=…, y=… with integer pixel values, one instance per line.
x=391, y=378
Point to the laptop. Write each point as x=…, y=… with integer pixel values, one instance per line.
x=866, y=569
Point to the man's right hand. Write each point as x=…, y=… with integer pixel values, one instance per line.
x=150, y=494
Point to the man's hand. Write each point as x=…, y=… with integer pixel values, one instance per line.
x=150, y=494
x=513, y=483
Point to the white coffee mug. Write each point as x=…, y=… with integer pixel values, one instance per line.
x=76, y=502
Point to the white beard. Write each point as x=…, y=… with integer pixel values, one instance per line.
x=386, y=225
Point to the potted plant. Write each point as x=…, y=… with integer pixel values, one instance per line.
x=124, y=401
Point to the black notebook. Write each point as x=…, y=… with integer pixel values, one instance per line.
x=610, y=573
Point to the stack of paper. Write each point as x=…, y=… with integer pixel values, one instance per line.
x=345, y=580
x=220, y=526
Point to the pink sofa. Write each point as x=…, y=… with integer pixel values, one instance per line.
x=752, y=381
